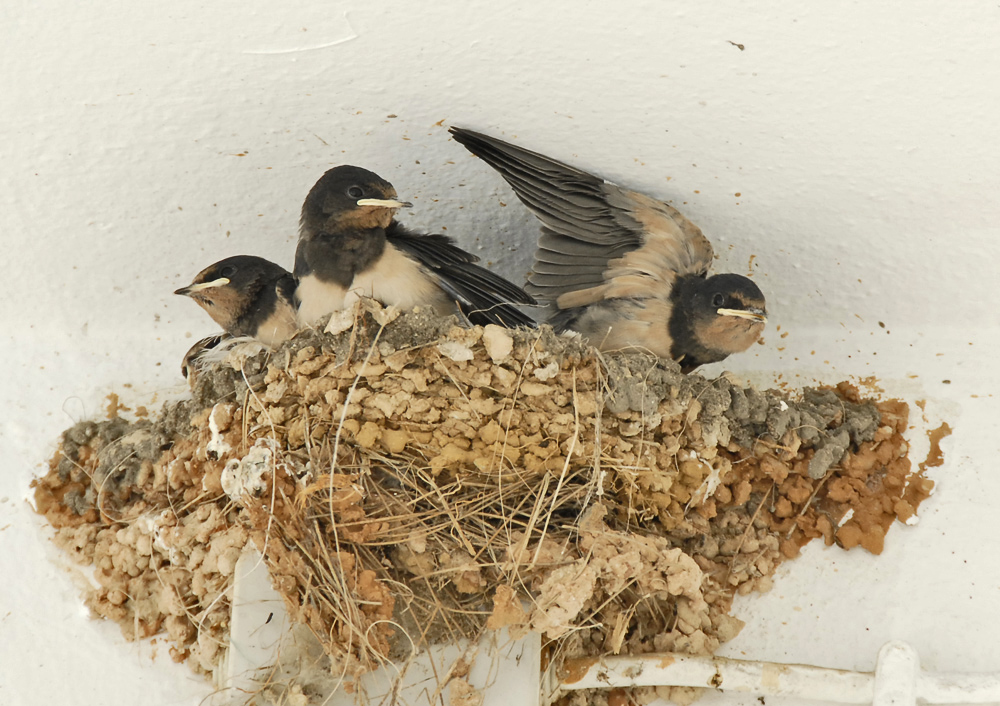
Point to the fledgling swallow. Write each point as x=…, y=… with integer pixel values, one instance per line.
x=247, y=296
x=351, y=245
x=621, y=268
x=202, y=350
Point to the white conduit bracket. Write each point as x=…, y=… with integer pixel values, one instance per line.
x=897, y=681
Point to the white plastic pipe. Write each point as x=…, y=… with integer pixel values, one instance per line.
x=764, y=678
x=897, y=681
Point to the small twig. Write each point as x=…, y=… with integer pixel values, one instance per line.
x=562, y=474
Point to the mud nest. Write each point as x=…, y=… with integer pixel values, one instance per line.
x=412, y=482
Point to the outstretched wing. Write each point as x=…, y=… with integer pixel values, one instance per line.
x=598, y=241
x=484, y=297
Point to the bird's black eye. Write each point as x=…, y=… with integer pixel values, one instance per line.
x=718, y=299
x=355, y=192
x=227, y=271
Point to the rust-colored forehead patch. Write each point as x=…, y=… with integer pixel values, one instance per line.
x=748, y=301
x=209, y=274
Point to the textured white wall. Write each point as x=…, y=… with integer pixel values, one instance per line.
x=143, y=141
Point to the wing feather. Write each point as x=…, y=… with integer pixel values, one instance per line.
x=637, y=245
x=484, y=297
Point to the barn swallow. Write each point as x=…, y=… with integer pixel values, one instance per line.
x=621, y=268
x=247, y=296
x=200, y=351
x=351, y=245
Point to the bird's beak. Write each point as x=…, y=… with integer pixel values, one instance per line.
x=385, y=203
x=192, y=288
x=752, y=314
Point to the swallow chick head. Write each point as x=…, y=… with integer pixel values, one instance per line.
x=728, y=314
x=349, y=197
x=228, y=288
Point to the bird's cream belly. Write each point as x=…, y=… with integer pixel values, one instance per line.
x=396, y=280
x=317, y=299
x=278, y=327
